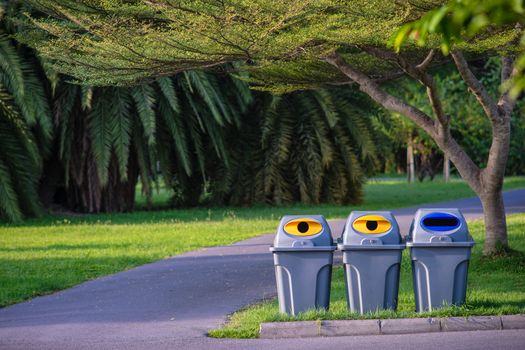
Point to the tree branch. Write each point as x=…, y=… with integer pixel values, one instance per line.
x=443, y=125
x=477, y=88
x=426, y=62
x=499, y=148
x=499, y=114
x=418, y=73
x=508, y=72
x=466, y=167
x=390, y=102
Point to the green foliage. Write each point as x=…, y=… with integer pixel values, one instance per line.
x=303, y=146
x=25, y=131
x=18, y=163
x=194, y=111
x=472, y=132
x=120, y=42
x=186, y=127
x=109, y=135
x=459, y=21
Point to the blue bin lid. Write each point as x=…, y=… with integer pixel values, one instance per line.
x=440, y=226
x=371, y=228
x=303, y=232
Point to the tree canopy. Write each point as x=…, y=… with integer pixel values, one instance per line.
x=106, y=42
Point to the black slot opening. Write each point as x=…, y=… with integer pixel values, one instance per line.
x=303, y=227
x=371, y=225
x=441, y=222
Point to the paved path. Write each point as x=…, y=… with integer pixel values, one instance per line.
x=172, y=303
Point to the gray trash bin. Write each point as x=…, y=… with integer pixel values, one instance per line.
x=440, y=246
x=372, y=249
x=303, y=254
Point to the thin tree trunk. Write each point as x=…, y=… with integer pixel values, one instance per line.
x=411, y=171
x=446, y=168
x=495, y=222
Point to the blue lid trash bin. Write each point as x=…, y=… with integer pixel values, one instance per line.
x=303, y=255
x=440, y=246
x=372, y=248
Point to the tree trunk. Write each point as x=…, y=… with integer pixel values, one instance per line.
x=495, y=222
x=52, y=178
x=446, y=168
x=119, y=196
x=411, y=171
x=487, y=184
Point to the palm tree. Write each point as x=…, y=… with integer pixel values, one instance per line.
x=25, y=130
x=108, y=136
x=309, y=146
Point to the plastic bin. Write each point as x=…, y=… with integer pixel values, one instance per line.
x=372, y=248
x=303, y=255
x=440, y=246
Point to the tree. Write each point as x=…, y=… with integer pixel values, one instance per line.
x=25, y=130
x=305, y=42
x=456, y=22
x=459, y=21
x=307, y=146
x=90, y=156
x=472, y=132
x=108, y=136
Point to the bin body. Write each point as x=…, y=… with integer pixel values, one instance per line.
x=440, y=254
x=303, y=264
x=371, y=260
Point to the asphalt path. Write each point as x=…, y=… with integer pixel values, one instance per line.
x=172, y=303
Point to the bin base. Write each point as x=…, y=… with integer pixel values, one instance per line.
x=372, y=279
x=439, y=276
x=303, y=280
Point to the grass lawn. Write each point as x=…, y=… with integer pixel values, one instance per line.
x=496, y=286
x=46, y=254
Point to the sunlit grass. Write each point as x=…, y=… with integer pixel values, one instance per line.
x=36, y=260
x=43, y=255
x=377, y=196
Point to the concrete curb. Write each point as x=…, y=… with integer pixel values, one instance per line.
x=306, y=329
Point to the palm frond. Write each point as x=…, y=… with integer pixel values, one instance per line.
x=9, y=206
x=168, y=91
x=11, y=74
x=176, y=128
x=144, y=98
x=120, y=128
x=101, y=135
x=19, y=163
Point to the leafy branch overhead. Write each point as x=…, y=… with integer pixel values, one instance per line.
x=122, y=42
x=458, y=21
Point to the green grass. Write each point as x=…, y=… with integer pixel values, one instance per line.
x=496, y=286
x=36, y=260
x=43, y=255
x=378, y=195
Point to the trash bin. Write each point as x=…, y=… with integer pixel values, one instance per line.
x=303, y=254
x=440, y=246
x=372, y=249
